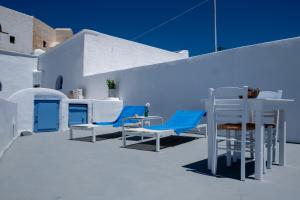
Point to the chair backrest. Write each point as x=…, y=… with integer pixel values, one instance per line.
x=129, y=111
x=270, y=95
x=184, y=120
x=271, y=115
x=229, y=105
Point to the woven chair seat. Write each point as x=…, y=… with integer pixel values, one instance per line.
x=238, y=127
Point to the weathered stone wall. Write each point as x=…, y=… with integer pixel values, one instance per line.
x=42, y=33
x=63, y=34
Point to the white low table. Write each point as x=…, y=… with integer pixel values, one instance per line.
x=84, y=127
x=258, y=106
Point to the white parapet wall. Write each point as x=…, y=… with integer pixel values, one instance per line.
x=105, y=53
x=106, y=110
x=98, y=110
x=182, y=84
x=8, y=124
x=25, y=101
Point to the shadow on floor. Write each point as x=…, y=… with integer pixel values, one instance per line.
x=100, y=137
x=135, y=138
x=166, y=142
x=232, y=172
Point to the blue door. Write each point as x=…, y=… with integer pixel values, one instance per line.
x=46, y=115
x=78, y=114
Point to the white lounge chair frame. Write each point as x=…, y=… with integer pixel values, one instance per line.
x=157, y=134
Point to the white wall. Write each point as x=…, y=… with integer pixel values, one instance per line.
x=18, y=25
x=106, y=110
x=98, y=110
x=105, y=53
x=90, y=52
x=16, y=72
x=8, y=124
x=182, y=84
x=66, y=59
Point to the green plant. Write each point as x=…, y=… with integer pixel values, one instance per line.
x=111, y=84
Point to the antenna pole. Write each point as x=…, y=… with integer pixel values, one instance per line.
x=215, y=25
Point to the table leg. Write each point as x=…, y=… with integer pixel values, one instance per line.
x=209, y=138
x=214, y=150
x=157, y=142
x=282, y=137
x=228, y=149
x=93, y=135
x=124, y=138
x=270, y=132
x=259, y=142
x=71, y=133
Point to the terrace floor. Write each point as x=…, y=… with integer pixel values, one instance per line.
x=49, y=166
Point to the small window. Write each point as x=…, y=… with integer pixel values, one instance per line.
x=36, y=85
x=59, y=83
x=44, y=44
x=0, y=86
x=12, y=39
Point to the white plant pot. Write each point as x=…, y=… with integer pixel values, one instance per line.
x=112, y=93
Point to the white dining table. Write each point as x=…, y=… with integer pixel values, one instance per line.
x=258, y=107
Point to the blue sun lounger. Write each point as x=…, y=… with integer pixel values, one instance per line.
x=127, y=111
x=181, y=122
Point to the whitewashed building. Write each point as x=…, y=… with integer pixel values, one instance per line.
x=23, y=33
x=89, y=53
x=17, y=72
x=64, y=67
x=168, y=80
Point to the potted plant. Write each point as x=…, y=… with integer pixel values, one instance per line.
x=112, y=88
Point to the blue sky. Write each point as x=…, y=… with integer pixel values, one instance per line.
x=240, y=22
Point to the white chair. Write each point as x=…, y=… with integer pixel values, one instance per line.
x=230, y=113
x=271, y=126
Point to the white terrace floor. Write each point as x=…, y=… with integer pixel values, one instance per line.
x=50, y=166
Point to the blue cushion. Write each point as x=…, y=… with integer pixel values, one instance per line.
x=181, y=121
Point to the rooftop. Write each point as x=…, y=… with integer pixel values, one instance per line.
x=50, y=166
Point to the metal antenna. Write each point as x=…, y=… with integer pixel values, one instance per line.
x=169, y=20
x=215, y=25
